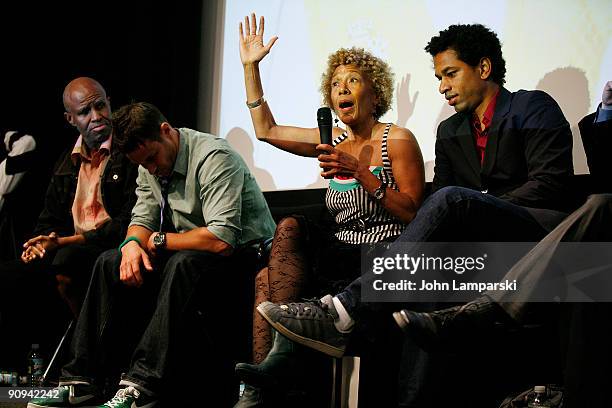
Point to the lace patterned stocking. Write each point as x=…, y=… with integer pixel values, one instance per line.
x=282, y=281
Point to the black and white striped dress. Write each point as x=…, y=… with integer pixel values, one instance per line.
x=359, y=217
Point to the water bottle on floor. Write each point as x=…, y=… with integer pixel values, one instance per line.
x=539, y=398
x=35, y=366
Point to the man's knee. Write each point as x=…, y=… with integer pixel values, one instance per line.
x=449, y=197
x=599, y=202
x=467, y=199
x=451, y=194
x=107, y=265
x=596, y=213
x=76, y=255
x=450, y=191
x=110, y=257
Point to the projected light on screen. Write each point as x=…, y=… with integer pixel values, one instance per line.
x=561, y=47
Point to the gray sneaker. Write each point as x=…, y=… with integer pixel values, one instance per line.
x=310, y=324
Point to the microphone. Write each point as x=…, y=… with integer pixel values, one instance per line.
x=324, y=119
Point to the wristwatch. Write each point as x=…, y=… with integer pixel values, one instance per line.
x=379, y=193
x=159, y=240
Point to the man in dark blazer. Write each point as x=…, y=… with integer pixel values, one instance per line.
x=584, y=340
x=527, y=160
x=592, y=222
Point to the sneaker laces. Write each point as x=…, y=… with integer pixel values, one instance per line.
x=309, y=307
x=122, y=395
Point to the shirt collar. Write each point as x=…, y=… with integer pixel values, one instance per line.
x=487, y=118
x=79, y=150
x=180, y=164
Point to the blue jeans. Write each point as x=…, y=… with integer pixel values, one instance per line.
x=459, y=214
x=144, y=330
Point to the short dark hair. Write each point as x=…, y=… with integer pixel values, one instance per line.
x=135, y=124
x=471, y=42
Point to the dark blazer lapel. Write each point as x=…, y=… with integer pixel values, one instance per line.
x=466, y=140
x=502, y=108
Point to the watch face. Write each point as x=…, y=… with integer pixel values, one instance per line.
x=379, y=193
x=159, y=239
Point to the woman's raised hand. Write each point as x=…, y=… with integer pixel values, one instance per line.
x=252, y=48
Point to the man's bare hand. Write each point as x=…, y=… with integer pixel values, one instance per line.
x=132, y=258
x=37, y=247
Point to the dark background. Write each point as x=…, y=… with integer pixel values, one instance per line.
x=138, y=52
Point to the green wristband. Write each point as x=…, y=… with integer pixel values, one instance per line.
x=128, y=239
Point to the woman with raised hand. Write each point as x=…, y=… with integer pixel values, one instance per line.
x=376, y=187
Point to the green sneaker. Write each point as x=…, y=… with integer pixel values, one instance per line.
x=130, y=397
x=74, y=395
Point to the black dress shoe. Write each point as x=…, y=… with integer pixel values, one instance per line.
x=434, y=329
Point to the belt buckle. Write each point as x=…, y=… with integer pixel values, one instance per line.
x=358, y=225
x=361, y=225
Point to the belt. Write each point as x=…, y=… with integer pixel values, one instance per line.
x=359, y=225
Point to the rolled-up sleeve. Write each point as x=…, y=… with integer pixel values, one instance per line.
x=221, y=179
x=146, y=212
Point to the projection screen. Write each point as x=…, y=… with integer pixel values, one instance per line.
x=561, y=47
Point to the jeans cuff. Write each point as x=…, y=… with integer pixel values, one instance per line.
x=342, y=297
x=134, y=382
x=74, y=380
